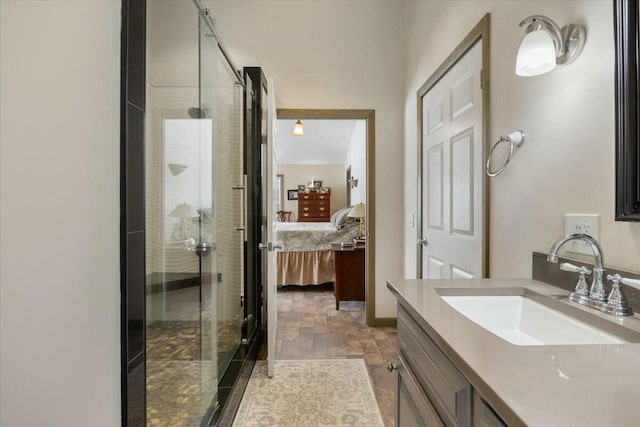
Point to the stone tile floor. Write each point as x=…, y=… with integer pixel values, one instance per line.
x=310, y=327
x=181, y=378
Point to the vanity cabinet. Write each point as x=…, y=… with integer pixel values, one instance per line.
x=483, y=415
x=431, y=390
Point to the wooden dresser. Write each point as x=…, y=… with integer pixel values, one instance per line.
x=314, y=207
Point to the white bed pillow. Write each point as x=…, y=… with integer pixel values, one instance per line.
x=340, y=218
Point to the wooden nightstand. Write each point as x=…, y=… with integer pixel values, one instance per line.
x=349, y=262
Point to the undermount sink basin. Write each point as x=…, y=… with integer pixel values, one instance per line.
x=520, y=320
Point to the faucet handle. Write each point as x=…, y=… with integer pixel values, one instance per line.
x=574, y=268
x=581, y=292
x=634, y=283
x=617, y=302
x=615, y=278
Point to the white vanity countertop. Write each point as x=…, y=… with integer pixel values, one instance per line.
x=569, y=385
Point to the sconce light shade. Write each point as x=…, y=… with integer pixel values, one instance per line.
x=545, y=44
x=177, y=168
x=537, y=54
x=297, y=129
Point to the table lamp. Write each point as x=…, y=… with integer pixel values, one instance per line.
x=184, y=211
x=359, y=211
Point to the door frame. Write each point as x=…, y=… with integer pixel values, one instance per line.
x=481, y=31
x=370, y=117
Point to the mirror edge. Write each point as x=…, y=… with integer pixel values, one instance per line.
x=626, y=102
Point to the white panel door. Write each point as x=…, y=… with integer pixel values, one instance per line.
x=453, y=172
x=271, y=265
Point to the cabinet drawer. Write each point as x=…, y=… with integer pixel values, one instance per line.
x=413, y=406
x=313, y=196
x=314, y=215
x=314, y=209
x=446, y=387
x=483, y=415
x=313, y=202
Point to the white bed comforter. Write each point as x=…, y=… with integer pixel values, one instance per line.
x=312, y=236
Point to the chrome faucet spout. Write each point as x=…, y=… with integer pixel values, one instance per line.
x=597, y=293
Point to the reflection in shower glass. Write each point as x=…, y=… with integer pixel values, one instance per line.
x=193, y=248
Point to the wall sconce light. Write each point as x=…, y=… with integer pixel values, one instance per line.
x=177, y=168
x=545, y=44
x=297, y=129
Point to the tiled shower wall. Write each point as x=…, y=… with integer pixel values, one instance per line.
x=167, y=255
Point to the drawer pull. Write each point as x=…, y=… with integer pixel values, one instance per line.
x=322, y=209
x=321, y=197
x=306, y=209
x=306, y=214
x=305, y=197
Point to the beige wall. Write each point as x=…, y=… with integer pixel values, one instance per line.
x=336, y=54
x=59, y=213
x=567, y=162
x=332, y=176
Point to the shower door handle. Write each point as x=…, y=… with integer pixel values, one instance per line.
x=245, y=214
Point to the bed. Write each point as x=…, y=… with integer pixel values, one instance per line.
x=306, y=257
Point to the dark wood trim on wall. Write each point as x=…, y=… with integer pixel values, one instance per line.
x=132, y=214
x=254, y=117
x=626, y=26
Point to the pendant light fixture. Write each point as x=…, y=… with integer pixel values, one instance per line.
x=297, y=129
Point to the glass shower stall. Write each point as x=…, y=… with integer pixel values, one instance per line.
x=195, y=215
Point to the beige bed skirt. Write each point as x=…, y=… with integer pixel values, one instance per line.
x=305, y=268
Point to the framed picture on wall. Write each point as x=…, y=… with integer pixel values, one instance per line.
x=301, y=187
x=292, y=194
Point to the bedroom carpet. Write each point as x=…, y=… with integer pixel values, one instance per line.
x=310, y=393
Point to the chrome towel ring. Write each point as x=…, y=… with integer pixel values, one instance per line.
x=516, y=139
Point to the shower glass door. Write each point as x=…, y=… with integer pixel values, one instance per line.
x=193, y=160
x=222, y=268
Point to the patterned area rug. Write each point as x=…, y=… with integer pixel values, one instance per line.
x=309, y=393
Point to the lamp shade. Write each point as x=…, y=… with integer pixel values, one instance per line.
x=297, y=129
x=537, y=54
x=358, y=211
x=184, y=210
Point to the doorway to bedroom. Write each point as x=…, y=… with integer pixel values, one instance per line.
x=325, y=239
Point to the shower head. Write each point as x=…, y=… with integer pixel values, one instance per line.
x=199, y=113
x=195, y=113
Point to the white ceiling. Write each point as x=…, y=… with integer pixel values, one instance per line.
x=324, y=142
